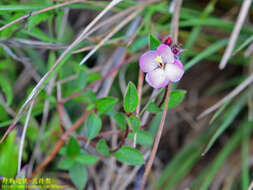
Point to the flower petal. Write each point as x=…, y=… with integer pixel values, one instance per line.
x=174, y=72
x=157, y=78
x=148, y=61
x=178, y=63
x=165, y=52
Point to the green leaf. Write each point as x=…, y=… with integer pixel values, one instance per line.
x=176, y=96
x=39, y=34
x=212, y=49
x=153, y=42
x=7, y=89
x=36, y=19
x=81, y=80
x=3, y=114
x=153, y=108
x=154, y=125
x=73, y=147
x=9, y=154
x=103, y=148
x=129, y=155
x=90, y=107
x=246, y=133
x=93, y=126
x=120, y=120
x=142, y=138
x=78, y=175
x=105, y=104
x=66, y=163
x=86, y=159
x=93, y=77
x=134, y=123
x=131, y=98
x=63, y=151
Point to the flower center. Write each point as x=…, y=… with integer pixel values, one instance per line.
x=160, y=61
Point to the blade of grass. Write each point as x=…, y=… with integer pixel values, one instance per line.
x=245, y=156
x=243, y=45
x=235, y=33
x=196, y=30
x=223, y=155
x=23, y=137
x=228, y=118
x=190, y=150
x=185, y=166
x=231, y=83
x=219, y=111
x=207, y=52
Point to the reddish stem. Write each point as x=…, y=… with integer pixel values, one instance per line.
x=60, y=110
x=140, y=84
x=59, y=144
x=157, y=140
x=122, y=141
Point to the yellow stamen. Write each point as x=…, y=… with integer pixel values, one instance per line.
x=159, y=59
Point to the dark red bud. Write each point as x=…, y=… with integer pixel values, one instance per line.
x=168, y=41
x=175, y=51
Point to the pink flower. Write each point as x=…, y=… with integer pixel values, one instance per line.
x=162, y=66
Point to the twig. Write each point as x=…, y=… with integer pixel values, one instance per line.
x=59, y=144
x=19, y=42
x=42, y=127
x=157, y=140
x=106, y=38
x=232, y=94
x=122, y=141
x=112, y=162
x=251, y=186
x=121, y=171
x=249, y=50
x=22, y=141
x=109, y=21
x=140, y=84
x=240, y=20
x=175, y=21
x=13, y=56
x=95, y=177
